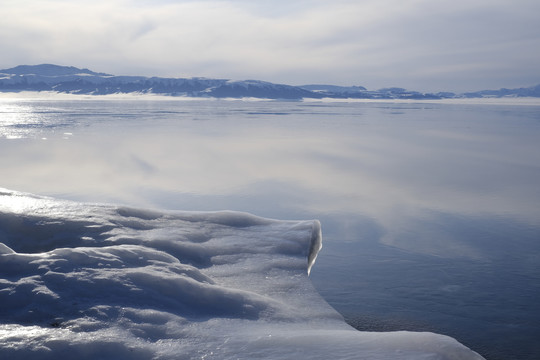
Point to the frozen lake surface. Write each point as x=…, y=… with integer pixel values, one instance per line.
x=430, y=212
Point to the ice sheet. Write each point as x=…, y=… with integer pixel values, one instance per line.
x=91, y=281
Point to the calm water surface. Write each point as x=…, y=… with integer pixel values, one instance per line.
x=430, y=212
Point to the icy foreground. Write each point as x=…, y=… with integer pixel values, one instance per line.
x=92, y=281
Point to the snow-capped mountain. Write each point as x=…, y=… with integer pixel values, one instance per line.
x=360, y=92
x=69, y=79
x=260, y=89
x=533, y=91
x=73, y=80
x=50, y=70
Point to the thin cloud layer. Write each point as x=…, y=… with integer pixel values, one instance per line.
x=447, y=45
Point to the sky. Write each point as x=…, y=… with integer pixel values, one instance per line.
x=424, y=45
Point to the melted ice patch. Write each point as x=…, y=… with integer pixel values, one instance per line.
x=102, y=281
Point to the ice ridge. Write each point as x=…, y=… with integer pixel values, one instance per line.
x=89, y=281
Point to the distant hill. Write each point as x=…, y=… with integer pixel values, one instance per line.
x=64, y=79
x=69, y=79
x=334, y=88
x=49, y=70
x=533, y=91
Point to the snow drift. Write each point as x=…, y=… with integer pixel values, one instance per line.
x=94, y=281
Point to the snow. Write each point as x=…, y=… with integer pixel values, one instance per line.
x=92, y=281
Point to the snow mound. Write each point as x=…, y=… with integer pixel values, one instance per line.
x=94, y=281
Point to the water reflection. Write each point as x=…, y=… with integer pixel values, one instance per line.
x=394, y=163
x=430, y=212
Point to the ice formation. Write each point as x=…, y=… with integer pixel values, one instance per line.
x=89, y=281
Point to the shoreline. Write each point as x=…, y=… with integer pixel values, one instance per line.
x=53, y=95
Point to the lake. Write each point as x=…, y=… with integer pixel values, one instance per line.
x=430, y=211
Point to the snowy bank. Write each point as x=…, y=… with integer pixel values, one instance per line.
x=94, y=281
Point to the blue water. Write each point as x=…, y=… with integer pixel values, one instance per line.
x=430, y=212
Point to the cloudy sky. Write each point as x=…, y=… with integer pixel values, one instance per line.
x=427, y=45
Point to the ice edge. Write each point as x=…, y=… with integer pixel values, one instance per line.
x=315, y=244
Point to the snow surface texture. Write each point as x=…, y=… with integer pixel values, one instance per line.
x=90, y=281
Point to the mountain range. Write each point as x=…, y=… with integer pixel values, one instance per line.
x=73, y=80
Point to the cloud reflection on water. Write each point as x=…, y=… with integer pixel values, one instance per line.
x=367, y=160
